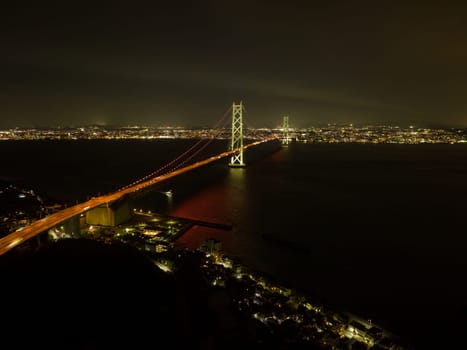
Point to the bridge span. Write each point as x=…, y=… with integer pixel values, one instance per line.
x=17, y=237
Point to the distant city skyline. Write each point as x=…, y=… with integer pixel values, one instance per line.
x=327, y=134
x=184, y=64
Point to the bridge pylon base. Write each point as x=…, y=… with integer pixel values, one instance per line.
x=236, y=165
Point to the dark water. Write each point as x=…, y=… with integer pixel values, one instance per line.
x=378, y=230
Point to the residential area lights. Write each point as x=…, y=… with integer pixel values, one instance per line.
x=332, y=133
x=273, y=305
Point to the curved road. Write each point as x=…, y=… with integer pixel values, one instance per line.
x=13, y=239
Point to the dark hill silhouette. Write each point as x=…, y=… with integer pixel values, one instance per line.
x=82, y=294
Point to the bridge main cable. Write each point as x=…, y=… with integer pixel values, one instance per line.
x=172, y=165
x=39, y=226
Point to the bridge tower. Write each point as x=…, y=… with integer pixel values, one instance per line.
x=237, y=136
x=285, y=130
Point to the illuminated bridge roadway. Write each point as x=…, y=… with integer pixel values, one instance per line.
x=13, y=239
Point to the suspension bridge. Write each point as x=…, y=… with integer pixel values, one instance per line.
x=172, y=169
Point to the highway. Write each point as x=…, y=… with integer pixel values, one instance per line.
x=17, y=237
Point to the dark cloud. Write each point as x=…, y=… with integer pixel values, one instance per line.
x=184, y=63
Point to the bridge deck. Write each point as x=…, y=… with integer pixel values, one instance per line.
x=13, y=239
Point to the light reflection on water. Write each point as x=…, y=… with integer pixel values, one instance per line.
x=381, y=228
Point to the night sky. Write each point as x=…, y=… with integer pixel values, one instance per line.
x=177, y=63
